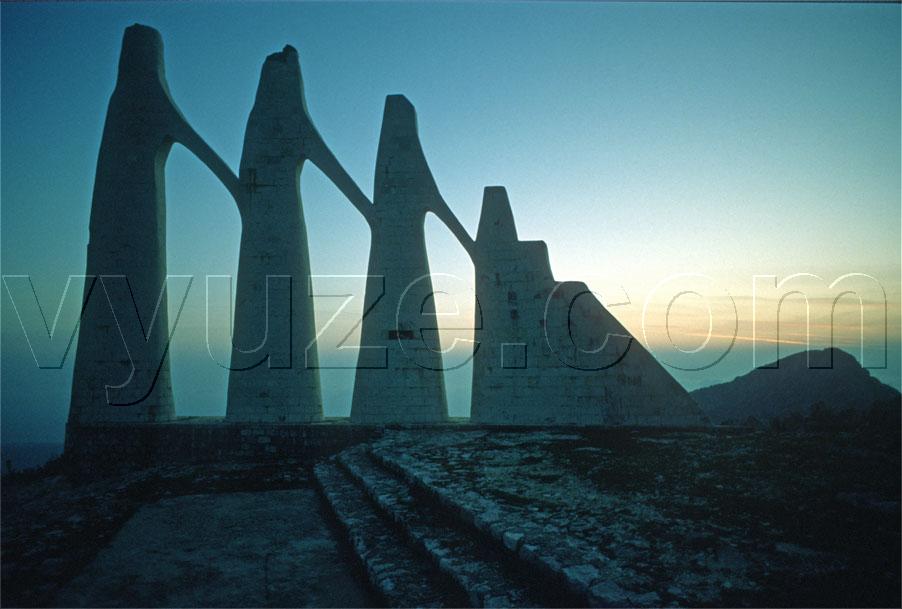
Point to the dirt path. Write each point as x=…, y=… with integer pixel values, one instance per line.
x=232, y=549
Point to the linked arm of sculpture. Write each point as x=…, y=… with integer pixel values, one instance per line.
x=323, y=158
x=189, y=138
x=441, y=210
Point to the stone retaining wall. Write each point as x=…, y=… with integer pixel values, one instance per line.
x=112, y=446
x=206, y=439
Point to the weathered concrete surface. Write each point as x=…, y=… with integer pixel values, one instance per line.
x=549, y=353
x=269, y=549
x=121, y=364
x=274, y=374
x=399, y=378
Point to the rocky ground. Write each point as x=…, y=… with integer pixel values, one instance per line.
x=472, y=517
x=641, y=517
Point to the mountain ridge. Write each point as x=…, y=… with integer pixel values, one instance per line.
x=792, y=384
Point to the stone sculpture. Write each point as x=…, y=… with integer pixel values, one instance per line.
x=274, y=374
x=399, y=369
x=549, y=353
x=121, y=364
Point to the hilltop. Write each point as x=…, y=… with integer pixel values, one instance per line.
x=789, y=387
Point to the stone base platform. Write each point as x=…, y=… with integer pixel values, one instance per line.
x=206, y=440
x=102, y=447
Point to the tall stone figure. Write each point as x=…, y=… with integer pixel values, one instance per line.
x=549, y=352
x=399, y=370
x=274, y=375
x=121, y=365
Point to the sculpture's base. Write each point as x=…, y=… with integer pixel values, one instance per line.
x=103, y=447
x=205, y=439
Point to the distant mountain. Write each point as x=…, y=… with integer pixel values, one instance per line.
x=788, y=386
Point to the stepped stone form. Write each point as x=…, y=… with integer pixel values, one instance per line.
x=414, y=552
x=395, y=571
x=561, y=564
x=637, y=517
x=274, y=374
x=549, y=353
x=399, y=378
x=121, y=364
x=478, y=569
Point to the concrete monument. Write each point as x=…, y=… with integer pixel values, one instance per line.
x=274, y=374
x=121, y=364
x=549, y=353
x=399, y=370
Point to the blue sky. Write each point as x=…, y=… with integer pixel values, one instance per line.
x=637, y=140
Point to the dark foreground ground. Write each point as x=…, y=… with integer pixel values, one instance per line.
x=227, y=535
x=269, y=548
x=688, y=518
x=639, y=517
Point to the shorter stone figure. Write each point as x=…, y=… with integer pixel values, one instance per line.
x=548, y=352
x=399, y=375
